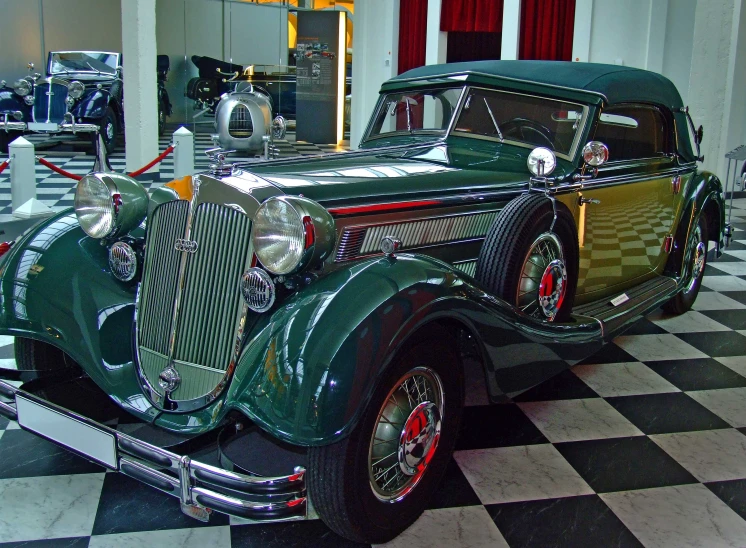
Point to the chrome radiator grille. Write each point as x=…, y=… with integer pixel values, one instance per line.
x=50, y=107
x=205, y=283
x=360, y=241
x=240, y=123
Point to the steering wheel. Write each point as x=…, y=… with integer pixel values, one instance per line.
x=528, y=130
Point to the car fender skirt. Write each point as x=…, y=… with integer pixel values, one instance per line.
x=310, y=368
x=55, y=287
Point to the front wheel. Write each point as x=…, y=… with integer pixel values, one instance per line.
x=109, y=129
x=375, y=483
x=684, y=300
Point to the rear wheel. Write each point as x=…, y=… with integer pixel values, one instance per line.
x=373, y=484
x=684, y=300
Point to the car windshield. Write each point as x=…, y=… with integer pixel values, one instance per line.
x=100, y=63
x=530, y=120
x=420, y=111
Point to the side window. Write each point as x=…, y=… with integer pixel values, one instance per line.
x=633, y=132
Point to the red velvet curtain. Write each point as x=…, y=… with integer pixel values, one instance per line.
x=546, y=29
x=473, y=46
x=471, y=15
x=412, y=34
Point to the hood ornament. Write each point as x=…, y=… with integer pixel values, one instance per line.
x=169, y=379
x=218, y=167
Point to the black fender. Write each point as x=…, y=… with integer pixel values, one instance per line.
x=310, y=368
x=11, y=102
x=92, y=106
x=704, y=193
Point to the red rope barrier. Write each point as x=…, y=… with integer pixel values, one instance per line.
x=59, y=170
x=160, y=158
x=4, y=165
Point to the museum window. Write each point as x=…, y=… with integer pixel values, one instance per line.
x=633, y=132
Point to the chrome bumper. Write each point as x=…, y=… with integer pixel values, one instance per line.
x=7, y=125
x=201, y=488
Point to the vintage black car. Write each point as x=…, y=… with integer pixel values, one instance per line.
x=524, y=212
x=80, y=94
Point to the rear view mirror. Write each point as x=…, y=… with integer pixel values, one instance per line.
x=698, y=135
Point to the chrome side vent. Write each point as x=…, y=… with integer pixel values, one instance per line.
x=365, y=240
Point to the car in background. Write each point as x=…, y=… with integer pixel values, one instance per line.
x=81, y=93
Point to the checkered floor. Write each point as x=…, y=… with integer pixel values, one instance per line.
x=642, y=444
x=77, y=156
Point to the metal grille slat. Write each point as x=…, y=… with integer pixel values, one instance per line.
x=211, y=303
x=160, y=277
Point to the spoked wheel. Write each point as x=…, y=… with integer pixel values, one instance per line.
x=684, y=300
x=374, y=483
x=543, y=281
x=406, y=434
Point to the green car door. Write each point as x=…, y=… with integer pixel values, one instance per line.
x=627, y=211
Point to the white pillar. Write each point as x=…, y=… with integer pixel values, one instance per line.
x=436, y=41
x=140, y=84
x=711, y=77
x=183, y=153
x=23, y=181
x=581, y=38
x=733, y=133
x=511, y=29
x=376, y=44
x=656, y=35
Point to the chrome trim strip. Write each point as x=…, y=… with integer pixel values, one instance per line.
x=184, y=479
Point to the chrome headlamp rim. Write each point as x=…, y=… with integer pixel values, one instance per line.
x=76, y=89
x=259, y=246
x=22, y=87
x=109, y=225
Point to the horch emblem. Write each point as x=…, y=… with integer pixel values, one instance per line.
x=188, y=246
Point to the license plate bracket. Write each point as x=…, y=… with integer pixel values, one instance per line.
x=87, y=440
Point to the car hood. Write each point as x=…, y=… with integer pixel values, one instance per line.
x=412, y=172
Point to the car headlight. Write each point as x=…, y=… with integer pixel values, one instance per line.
x=109, y=204
x=291, y=233
x=22, y=87
x=76, y=89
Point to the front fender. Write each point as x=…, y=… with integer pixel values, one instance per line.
x=55, y=287
x=310, y=368
x=92, y=105
x=11, y=102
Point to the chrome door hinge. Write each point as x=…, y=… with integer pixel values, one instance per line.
x=676, y=184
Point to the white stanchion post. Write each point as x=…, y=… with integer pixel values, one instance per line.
x=23, y=181
x=183, y=153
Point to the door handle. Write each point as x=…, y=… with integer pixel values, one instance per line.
x=583, y=201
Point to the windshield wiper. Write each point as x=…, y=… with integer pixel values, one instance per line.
x=497, y=128
x=409, y=118
x=99, y=72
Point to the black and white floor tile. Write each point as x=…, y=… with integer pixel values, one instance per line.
x=643, y=444
x=77, y=157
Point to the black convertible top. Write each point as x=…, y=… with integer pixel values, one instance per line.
x=616, y=84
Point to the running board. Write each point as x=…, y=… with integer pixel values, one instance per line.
x=617, y=313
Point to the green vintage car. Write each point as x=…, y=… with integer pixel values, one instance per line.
x=318, y=309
